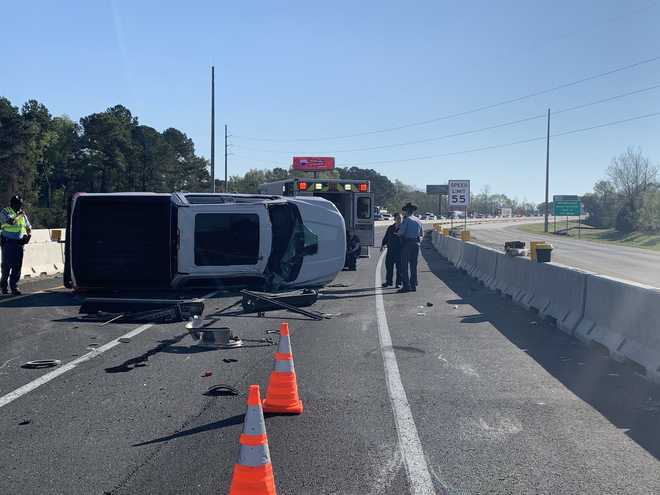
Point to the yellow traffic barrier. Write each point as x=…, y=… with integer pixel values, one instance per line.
x=465, y=235
x=532, y=249
x=445, y=231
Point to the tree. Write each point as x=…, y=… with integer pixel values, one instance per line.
x=632, y=174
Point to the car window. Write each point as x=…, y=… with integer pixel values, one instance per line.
x=223, y=239
x=364, y=207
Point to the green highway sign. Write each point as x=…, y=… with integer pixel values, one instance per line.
x=566, y=206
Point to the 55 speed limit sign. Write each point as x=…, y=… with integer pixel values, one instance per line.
x=459, y=192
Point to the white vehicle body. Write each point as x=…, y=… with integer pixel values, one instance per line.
x=147, y=240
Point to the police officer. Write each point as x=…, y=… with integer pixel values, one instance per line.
x=410, y=233
x=353, y=248
x=393, y=257
x=14, y=234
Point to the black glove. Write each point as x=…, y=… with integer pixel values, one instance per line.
x=26, y=239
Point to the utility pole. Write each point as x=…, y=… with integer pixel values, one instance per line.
x=225, y=188
x=547, y=173
x=213, y=128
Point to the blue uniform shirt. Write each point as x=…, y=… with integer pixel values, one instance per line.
x=411, y=229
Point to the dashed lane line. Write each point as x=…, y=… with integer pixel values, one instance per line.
x=42, y=380
x=410, y=445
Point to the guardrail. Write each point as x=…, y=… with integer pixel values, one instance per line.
x=612, y=314
x=44, y=255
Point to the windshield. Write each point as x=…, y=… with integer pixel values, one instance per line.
x=292, y=241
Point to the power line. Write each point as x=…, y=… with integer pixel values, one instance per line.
x=465, y=112
x=502, y=145
x=471, y=131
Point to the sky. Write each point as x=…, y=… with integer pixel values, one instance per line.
x=297, y=77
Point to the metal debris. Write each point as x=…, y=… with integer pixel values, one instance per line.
x=206, y=374
x=41, y=363
x=222, y=390
x=124, y=340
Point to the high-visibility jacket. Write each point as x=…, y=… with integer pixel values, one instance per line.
x=13, y=225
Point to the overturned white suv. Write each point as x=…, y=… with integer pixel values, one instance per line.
x=184, y=240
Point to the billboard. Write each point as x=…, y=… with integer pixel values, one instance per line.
x=437, y=189
x=313, y=163
x=459, y=193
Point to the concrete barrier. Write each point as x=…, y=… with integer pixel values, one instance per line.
x=468, y=262
x=486, y=269
x=623, y=317
x=454, y=250
x=558, y=292
x=514, y=278
x=42, y=256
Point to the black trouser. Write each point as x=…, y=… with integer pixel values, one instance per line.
x=12, y=261
x=393, y=259
x=409, y=253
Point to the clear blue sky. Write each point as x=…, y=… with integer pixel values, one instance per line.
x=299, y=69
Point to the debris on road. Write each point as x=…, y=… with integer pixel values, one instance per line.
x=429, y=304
x=124, y=340
x=24, y=422
x=206, y=374
x=221, y=390
x=41, y=363
x=230, y=360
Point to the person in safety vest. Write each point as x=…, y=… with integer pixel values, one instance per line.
x=15, y=232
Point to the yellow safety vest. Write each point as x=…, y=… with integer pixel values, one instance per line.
x=16, y=230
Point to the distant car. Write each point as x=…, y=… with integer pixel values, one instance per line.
x=378, y=217
x=175, y=241
x=429, y=216
x=386, y=216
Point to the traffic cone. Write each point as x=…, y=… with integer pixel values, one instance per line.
x=282, y=392
x=253, y=474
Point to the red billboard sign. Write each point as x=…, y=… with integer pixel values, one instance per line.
x=313, y=162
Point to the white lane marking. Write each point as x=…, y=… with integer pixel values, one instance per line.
x=43, y=379
x=409, y=442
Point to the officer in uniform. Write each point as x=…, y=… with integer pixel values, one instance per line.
x=393, y=257
x=14, y=234
x=410, y=233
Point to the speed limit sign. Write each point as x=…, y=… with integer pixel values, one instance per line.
x=459, y=192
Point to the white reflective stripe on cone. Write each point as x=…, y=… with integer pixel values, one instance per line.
x=285, y=345
x=253, y=423
x=254, y=456
x=284, y=365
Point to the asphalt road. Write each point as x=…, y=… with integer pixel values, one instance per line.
x=628, y=263
x=472, y=396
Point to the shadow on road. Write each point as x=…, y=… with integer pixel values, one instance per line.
x=164, y=346
x=41, y=300
x=216, y=425
x=628, y=401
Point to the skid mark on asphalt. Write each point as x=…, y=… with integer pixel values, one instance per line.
x=498, y=428
x=410, y=445
x=43, y=379
x=389, y=458
x=460, y=366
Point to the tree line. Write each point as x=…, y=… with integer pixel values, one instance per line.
x=46, y=158
x=629, y=198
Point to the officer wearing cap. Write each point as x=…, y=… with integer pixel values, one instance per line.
x=15, y=232
x=410, y=232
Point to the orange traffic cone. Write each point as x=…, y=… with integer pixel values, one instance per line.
x=253, y=475
x=282, y=392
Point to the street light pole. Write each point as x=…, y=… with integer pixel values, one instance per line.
x=547, y=173
x=225, y=158
x=212, y=128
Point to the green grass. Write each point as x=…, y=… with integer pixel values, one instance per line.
x=587, y=233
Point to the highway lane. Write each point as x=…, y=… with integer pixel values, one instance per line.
x=501, y=401
x=628, y=263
